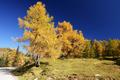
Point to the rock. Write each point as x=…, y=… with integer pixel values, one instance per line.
x=36, y=79
x=97, y=76
x=49, y=78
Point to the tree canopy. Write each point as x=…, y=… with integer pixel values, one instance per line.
x=62, y=40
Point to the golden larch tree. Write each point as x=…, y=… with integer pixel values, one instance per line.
x=72, y=40
x=39, y=31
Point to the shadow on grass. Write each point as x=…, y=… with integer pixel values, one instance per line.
x=117, y=62
x=23, y=69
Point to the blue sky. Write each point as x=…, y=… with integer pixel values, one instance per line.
x=97, y=19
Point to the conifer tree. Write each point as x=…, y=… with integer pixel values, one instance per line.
x=39, y=32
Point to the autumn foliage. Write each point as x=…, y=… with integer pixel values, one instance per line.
x=72, y=40
x=10, y=58
x=39, y=31
x=62, y=40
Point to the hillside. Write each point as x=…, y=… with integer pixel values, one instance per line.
x=4, y=51
x=9, y=57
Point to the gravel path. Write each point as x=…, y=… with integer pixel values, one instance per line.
x=5, y=73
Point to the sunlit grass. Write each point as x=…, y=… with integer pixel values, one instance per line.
x=82, y=67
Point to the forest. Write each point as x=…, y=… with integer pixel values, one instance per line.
x=61, y=41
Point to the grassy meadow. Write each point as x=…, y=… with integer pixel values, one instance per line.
x=71, y=69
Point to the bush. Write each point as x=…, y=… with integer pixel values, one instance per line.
x=13, y=59
x=2, y=62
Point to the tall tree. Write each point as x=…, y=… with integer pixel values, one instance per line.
x=72, y=40
x=113, y=46
x=99, y=49
x=87, y=51
x=39, y=31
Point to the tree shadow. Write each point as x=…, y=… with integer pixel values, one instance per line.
x=117, y=62
x=23, y=69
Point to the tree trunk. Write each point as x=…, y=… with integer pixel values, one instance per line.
x=37, y=61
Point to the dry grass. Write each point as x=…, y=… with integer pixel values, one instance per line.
x=69, y=69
